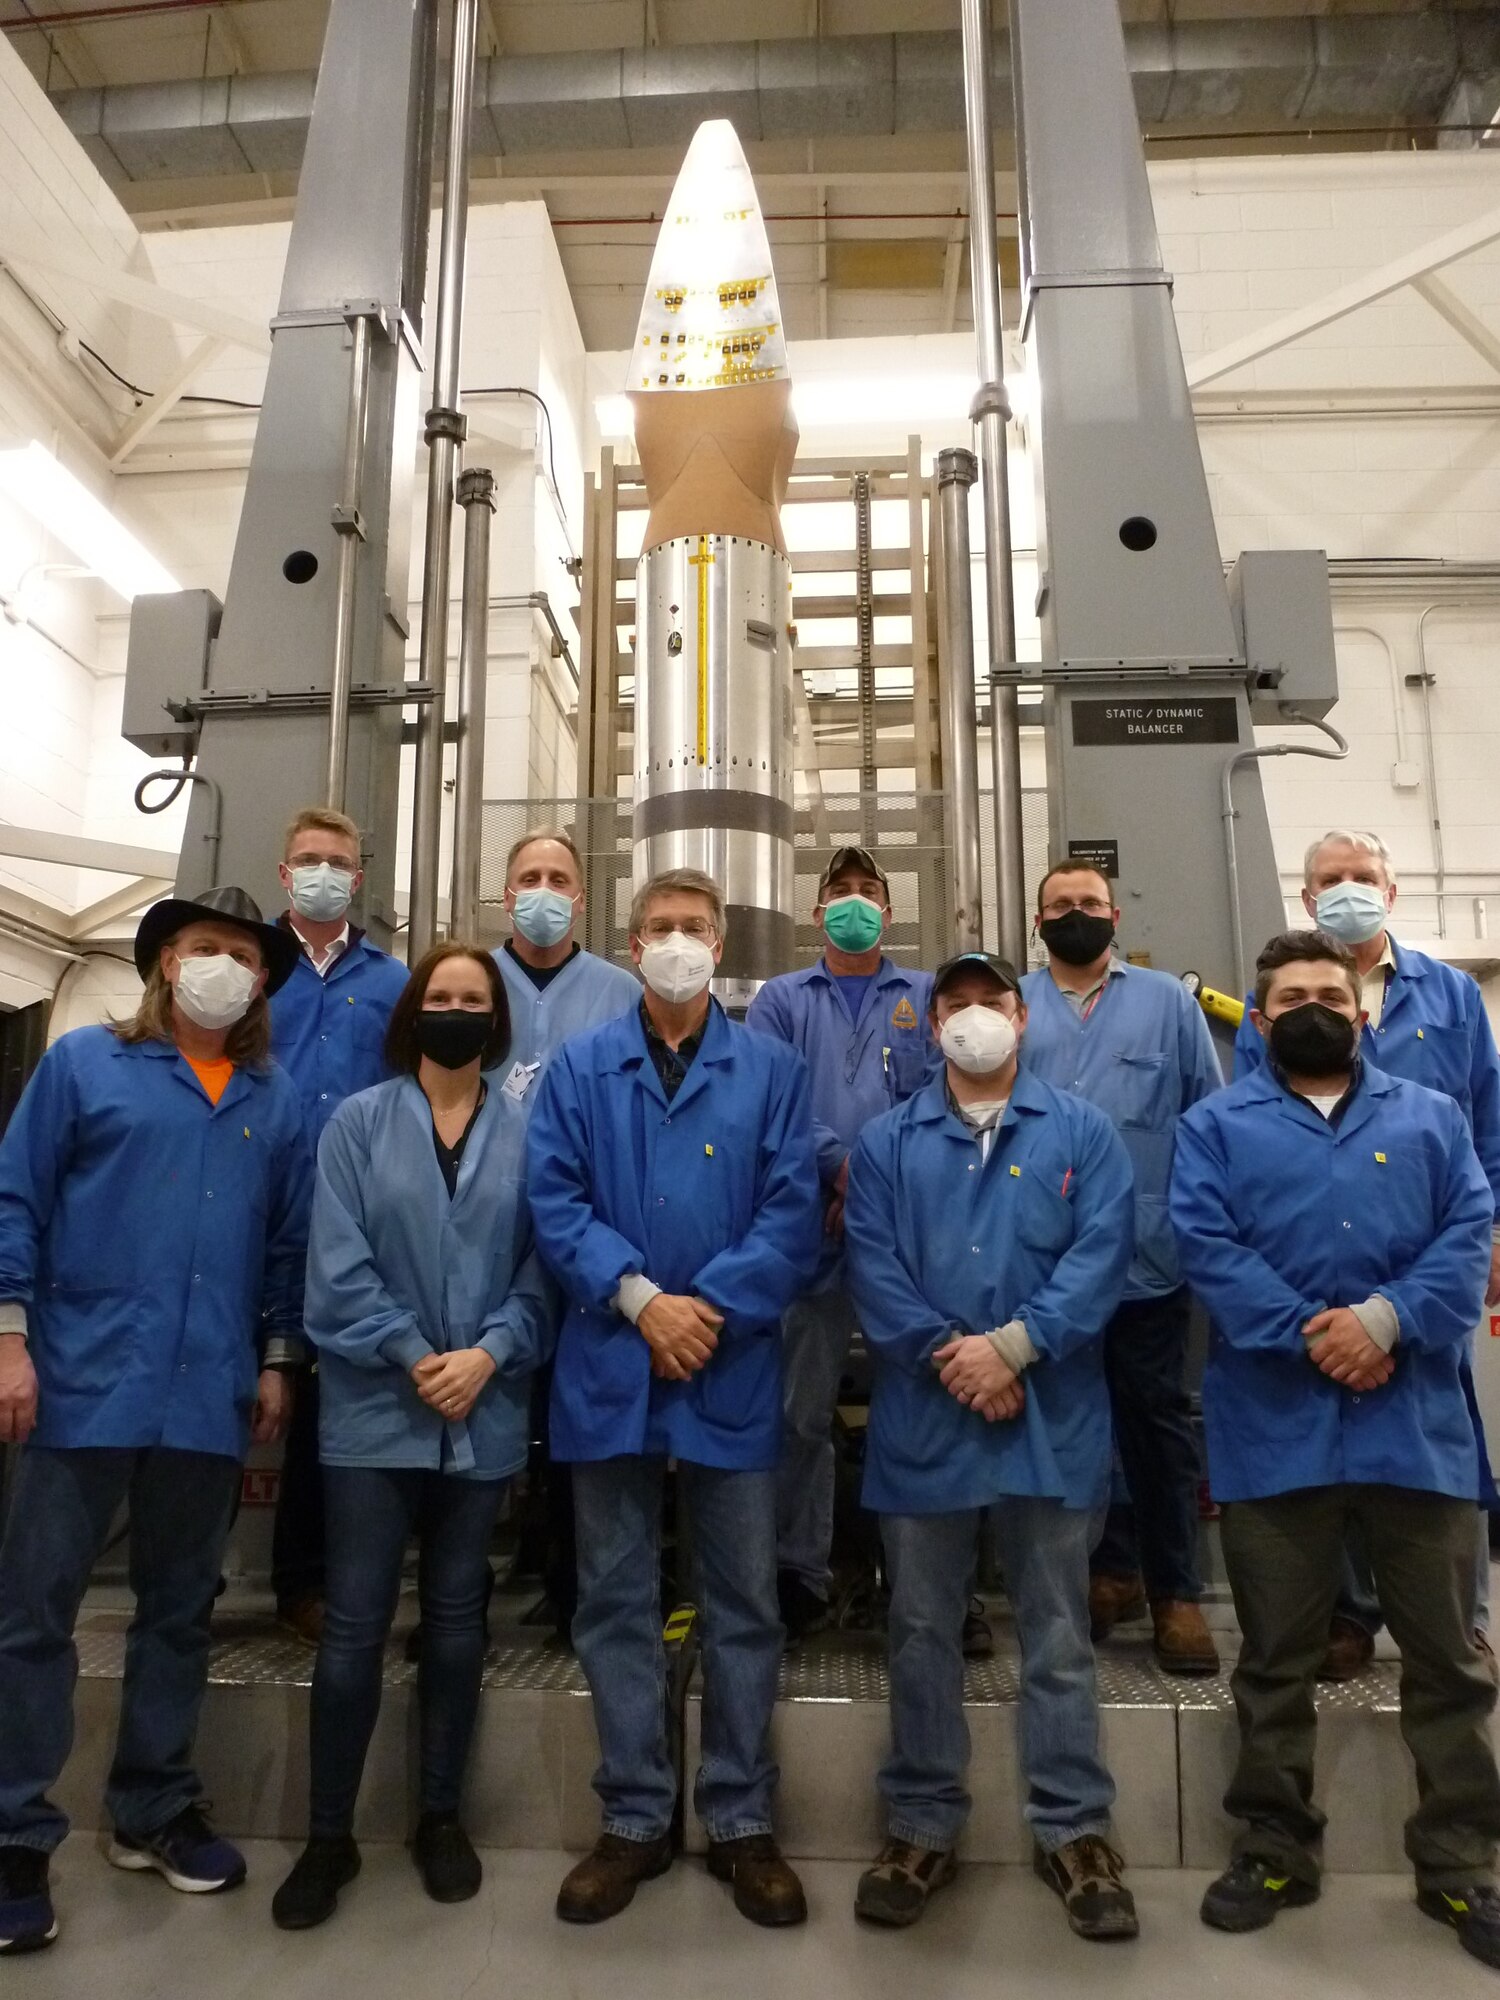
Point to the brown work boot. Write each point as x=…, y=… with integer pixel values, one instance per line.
x=1350, y=1650
x=605, y=1881
x=895, y=1890
x=1086, y=1875
x=1183, y=1643
x=765, y=1888
x=1113, y=1599
x=302, y=1618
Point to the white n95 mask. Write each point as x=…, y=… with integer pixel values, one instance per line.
x=215, y=992
x=677, y=968
x=977, y=1040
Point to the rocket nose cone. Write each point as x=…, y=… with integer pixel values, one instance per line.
x=711, y=317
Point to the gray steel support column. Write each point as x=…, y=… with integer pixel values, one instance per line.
x=476, y=495
x=445, y=434
x=291, y=641
x=349, y=525
x=991, y=414
x=956, y=472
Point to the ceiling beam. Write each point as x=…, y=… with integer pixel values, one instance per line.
x=1334, y=305
x=151, y=412
x=31, y=252
x=1464, y=321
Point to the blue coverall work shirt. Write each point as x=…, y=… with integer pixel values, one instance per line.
x=155, y=1240
x=859, y=1067
x=328, y=1030
x=1433, y=1031
x=715, y=1194
x=398, y=1270
x=943, y=1240
x=1281, y=1214
x=586, y=993
x=1143, y=1055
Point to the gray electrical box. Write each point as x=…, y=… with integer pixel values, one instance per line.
x=1283, y=614
x=166, y=666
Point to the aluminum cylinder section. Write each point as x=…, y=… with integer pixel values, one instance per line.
x=714, y=772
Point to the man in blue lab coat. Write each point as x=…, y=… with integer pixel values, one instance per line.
x=1336, y=1223
x=328, y=1026
x=859, y=1021
x=154, y=1191
x=1425, y=1021
x=1135, y=1043
x=674, y=1191
x=989, y=1234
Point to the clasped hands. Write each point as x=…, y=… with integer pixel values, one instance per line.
x=450, y=1383
x=1338, y=1344
x=682, y=1333
x=972, y=1372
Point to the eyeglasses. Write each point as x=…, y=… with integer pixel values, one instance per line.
x=1092, y=906
x=698, y=928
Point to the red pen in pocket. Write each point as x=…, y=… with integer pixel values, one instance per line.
x=1067, y=1178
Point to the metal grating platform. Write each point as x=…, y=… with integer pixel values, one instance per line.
x=1169, y=1742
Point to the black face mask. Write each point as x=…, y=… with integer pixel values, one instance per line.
x=1077, y=938
x=1313, y=1040
x=452, y=1036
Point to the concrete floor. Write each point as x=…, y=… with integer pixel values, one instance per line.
x=129, y=1937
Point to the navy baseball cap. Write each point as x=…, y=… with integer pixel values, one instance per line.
x=976, y=961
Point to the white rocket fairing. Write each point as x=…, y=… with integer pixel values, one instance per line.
x=713, y=715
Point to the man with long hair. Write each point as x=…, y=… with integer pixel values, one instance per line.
x=154, y=1191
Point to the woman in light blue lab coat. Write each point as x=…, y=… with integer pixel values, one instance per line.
x=431, y=1313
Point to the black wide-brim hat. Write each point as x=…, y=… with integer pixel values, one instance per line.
x=161, y=923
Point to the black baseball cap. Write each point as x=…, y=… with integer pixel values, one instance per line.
x=853, y=857
x=976, y=961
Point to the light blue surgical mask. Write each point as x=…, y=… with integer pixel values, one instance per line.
x=322, y=893
x=1353, y=912
x=543, y=916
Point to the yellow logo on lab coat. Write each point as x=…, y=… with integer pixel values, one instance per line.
x=905, y=1015
x=1380, y=1159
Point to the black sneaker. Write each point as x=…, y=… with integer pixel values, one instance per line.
x=445, y=1859
x=1252, y=1893
x=310, y=1894
x=28, y=1921
x=978, y=1640
x=1473, y=1912
x=803, y=1612
x=1086, y=1875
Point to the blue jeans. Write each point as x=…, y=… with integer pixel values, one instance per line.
x=372, y=1511
x=618, y=1637
x=1145, y=1358
x=1044, y=1547
x=181, y=1507
x=816, y=1332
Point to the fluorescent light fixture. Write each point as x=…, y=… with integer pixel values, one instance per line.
x=63, y=505
x=824, y=402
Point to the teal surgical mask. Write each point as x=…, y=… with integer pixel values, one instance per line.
x=853, y=924
x=323, y=893
x=543, y=916
x=1353, y=912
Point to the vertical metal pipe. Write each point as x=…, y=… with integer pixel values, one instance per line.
x=991, y=413
x=476, y=495
x=349, y=525
x=956, y=472
x=445, y=435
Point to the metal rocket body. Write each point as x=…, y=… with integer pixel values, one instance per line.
x=714, y=774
